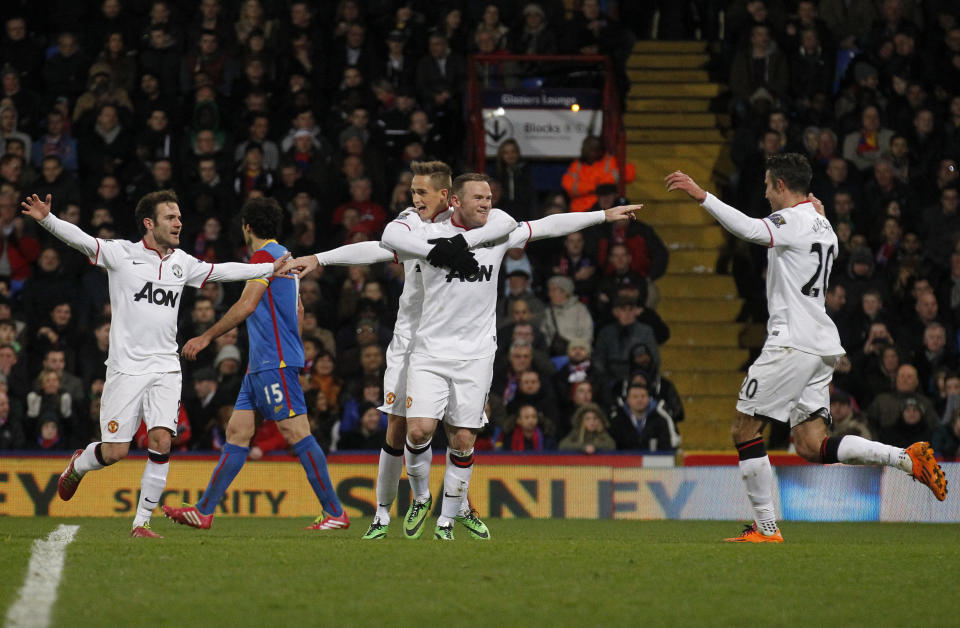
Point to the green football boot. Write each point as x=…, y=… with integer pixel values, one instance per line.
x=471, y=522
x=376, y=530
x=443, y=533
x=416, y=515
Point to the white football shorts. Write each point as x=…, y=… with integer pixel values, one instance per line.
x=395, y=377
x=126, y=399
x=454, y=390
x=787, y=385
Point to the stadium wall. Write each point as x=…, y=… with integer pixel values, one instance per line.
x=547, y=486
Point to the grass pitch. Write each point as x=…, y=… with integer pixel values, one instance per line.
x=269, y=572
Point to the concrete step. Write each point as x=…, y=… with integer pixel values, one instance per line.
x=670, y=47
x=651, y=189
x=719, y=408
x=702, y=152
x=671, y=75
x=640, y=60
x=700, y=168
x=650, y=171
x=693, y=237
x=683, y=120
x=702, y=358
x=675, y=213
x=676, y=136
x=695, y=383
x=693, y=261
x=701, y=285
x=672, y=89
x=699, y=310
x=706, y=431
x=721, y=335
x=668, y=105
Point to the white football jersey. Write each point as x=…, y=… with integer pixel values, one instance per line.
x=411, y=298
x=458, y=314
x=145, y=295
x=800, y=257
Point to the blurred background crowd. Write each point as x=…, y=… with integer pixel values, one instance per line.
x=323, y=105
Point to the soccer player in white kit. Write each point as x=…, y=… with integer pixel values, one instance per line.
x=451, y=365
x=444, y=308
x=790, y=380
x=143, y=367
x=451, y=362
x=430, y=192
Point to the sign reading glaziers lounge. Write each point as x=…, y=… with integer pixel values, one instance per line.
x=547, y=123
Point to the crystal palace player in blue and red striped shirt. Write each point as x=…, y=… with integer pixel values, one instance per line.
x=271, y=385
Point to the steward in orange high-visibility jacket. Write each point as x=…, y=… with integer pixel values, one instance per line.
x=594, y=168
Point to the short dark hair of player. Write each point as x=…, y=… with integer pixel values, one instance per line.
x=791, y=168
x=466, y=178
x=147, y=206
x=264, y=216
x=440, y=174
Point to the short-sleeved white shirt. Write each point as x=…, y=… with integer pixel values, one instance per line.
x=146, y=289
x=802, y=250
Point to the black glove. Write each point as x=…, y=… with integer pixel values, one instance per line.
x=444, y=250
x=464, y=262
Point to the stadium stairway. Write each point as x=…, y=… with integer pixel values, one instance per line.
x=670, y=127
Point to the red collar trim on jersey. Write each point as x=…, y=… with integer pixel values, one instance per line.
x=454, y=223
x=798, y=204
x=150, y=248
x=440, y=213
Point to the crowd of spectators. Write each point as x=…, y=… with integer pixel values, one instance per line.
x=869, y=90
x=321, y=105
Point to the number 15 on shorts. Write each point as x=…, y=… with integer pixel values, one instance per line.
x=273, y=393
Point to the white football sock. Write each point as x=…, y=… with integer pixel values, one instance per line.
x=857, y=450
x=758, y=477
x=152, y=483
x=418, y=469
x=456, y=483
x=87, y=461
x=388, y=479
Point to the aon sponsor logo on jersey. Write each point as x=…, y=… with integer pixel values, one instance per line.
x=157, y=296
x=484, y=274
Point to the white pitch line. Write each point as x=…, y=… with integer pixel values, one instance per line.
x=39, y=591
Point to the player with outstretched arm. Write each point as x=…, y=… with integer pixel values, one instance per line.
x=143, y=368
x=451, y=362
x=271, y=385
x=790, y=381
x=430, y=192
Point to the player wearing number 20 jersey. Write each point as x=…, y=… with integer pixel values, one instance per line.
x=790, y=380
x=802, y=249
